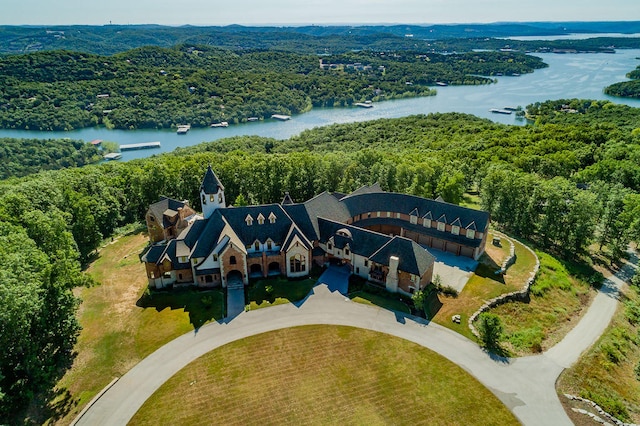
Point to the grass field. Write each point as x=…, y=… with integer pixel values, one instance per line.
x=606, y=373
x=323, y=375
x=383, y=302
x=116, y=332
x=485, y=285
x=558, y=299
x=282, y=291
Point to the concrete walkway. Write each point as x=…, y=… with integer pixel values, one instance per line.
x=525, y=385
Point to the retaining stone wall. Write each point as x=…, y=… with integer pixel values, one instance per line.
x=519, y=295
x=611, y=420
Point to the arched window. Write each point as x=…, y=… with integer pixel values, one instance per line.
x=204, y=199
x=297, y=263
x=232, y=260
x=220, y=197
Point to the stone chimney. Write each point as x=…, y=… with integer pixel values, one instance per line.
x=392, y=276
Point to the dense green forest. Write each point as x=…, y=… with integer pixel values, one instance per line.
x=155, y=87
x=568, y=181
x=21, y=157
x=627, y=89
x=110, y=39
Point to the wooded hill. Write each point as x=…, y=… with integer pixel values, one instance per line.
x=626, y=89
x=155, y=87
x=110, y=39
x=568, y=181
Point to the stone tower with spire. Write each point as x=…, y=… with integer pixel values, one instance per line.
x=211, y=194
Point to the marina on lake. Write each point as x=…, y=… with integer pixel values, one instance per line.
x=581, y=76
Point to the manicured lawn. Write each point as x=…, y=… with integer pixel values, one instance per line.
x=374, y=299
x=282, y=291
x=605, y=374
x=323, y=375
x=485, y=285
x=116, y=332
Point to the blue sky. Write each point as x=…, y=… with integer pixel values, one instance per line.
x=277, y=12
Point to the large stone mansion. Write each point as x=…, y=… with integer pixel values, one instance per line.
x=381, y=236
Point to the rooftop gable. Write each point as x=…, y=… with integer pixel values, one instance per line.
x=414, y=259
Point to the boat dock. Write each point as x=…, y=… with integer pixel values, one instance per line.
x=145, y=145
x=500, y=111
x=183, y=129
x=281, y=117
x=366, y=104
x=113, y=156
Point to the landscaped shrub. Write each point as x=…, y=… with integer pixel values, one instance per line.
x=449, y=291
x=490, y=329
x=611, y=403
x=207, y=301
x=632, y=311
x=530, y=338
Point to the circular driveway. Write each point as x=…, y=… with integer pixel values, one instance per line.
x=525, y=385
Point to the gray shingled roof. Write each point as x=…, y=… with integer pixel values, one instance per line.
x=165, y=204
x=403, y=203
x=432, y=232
x=210, y=183
x=413, y=258
x=207, y=237
x=366, y=189
x=153, y=254
x=248, y=234
x=363, y=241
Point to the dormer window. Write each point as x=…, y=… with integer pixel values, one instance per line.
x=248, y=220
x=426, y=223
x=471, y=233
x=219, y=197
x=269, y=244
x=256, y=245
x=455, y=230
x=260, y=219
x=212, y=198
x=441, y=226
x=204, y=199
x=272, y=218
x=329, y=246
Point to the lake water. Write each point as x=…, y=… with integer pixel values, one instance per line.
x=568, y=76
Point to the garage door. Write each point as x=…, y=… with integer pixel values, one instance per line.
x=452, y=248
x=466, y=251
x=438, y=244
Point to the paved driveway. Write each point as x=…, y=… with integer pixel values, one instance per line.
x=525, y=385
x=454, y=270
x=336, y=278
x=235, y=302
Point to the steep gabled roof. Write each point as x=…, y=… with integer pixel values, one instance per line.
x=154, y=253
x=210, y=183
x=277, y=231
x=367, y=189
x=327, y=206
x=362, y=241
x=287, y=199
x=207, y=238
x=414, y=259
x=293, y=233
x=165, y=205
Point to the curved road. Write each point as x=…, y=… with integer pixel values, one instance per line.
x=525, y=385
